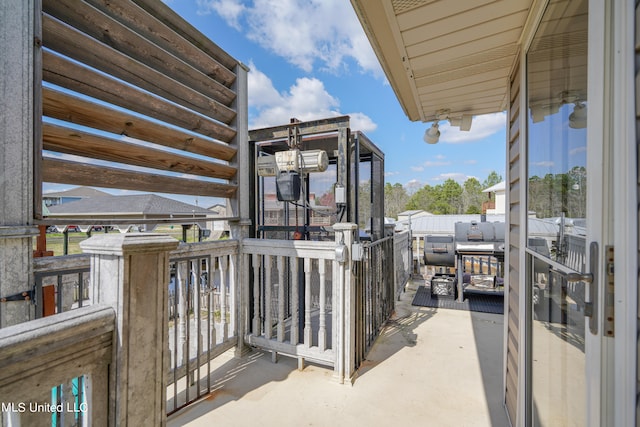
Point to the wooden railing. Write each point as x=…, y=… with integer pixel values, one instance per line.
x=67, y=356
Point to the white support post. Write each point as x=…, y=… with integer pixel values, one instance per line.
x=130, y=272
x=322, y=329
x=267, y=296
x=281, y=289
x=224, y=270
x=308, y=336
x=344, y=317
x=295, y=306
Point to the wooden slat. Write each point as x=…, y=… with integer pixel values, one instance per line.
x=64, y=39
x=96, y=24
x=67, y=172
x=63, y=72
x=81, y=111
x=150, y=27
x=73, y=141
x=176, y=23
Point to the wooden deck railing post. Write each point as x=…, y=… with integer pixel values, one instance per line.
x=344, y=317
x=130, y=272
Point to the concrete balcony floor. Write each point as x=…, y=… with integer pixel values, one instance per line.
x=429, y=367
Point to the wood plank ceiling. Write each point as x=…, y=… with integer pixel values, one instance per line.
x=446, y=54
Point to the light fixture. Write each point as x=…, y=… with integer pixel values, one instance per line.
x=578, y=119
x=432, y=135
x=463, y=122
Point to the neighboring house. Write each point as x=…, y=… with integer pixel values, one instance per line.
x=496, y=204
x=564, y=71
x=402, y=216
x=218, y=228
x=140, y=207
x=78, y=193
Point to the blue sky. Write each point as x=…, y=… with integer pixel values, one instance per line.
x=311, y=59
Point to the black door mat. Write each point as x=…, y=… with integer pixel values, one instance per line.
x=472, y=302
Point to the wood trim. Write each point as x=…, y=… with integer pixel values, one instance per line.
x=63, y=72
x=73, y=141
x=81, y=111
x=74, y=173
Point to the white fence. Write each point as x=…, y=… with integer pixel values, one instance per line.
x=293, y=297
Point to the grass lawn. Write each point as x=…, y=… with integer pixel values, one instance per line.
x=55, y=241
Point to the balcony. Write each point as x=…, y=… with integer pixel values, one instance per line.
x=428, y=367
x=299, y=299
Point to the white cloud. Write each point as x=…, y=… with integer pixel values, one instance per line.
x=229, y=10
x=471, y=162
x=307, y=99
x=578, y=150
x=456, y=176
x=545, y=164
x=483, y=126
x=432, y=164
x=361, y=122
x=301, y=31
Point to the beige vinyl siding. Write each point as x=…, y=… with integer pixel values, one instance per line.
x=515, y=229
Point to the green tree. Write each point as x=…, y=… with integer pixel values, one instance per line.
x=472, y=196
x=395, y=199
x=491, y=180
x=450, y=200
x=421, y=199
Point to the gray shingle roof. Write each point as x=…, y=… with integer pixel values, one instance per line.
x=143, y=204
x=78, y=192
